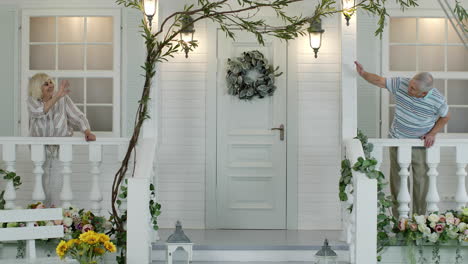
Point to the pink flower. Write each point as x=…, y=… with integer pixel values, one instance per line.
x=413, y=227
x=466, y=232
x=58, y=222
x=442, y=219
x=457, y=221
x=87, y=228
x=402, y=224
x=40, y=206
x=439, y=228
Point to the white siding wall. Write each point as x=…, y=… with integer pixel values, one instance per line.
x=319, y=130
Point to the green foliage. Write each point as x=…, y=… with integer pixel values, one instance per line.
x=154, y=208
x=16, y=183
x=461, y=14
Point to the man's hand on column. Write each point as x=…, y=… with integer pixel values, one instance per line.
x=359, y=68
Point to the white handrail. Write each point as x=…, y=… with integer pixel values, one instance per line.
x=61, y=141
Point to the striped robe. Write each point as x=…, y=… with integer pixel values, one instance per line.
x=59, y=121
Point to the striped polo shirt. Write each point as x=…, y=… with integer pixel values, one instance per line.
x=414, y=117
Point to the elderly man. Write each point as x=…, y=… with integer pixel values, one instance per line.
x=421, y=112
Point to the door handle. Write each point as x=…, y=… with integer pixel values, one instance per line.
x=281, y=129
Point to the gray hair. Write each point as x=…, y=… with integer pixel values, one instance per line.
x=425, y=81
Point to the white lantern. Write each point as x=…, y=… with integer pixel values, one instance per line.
x=348, y=7
x=150, y=9
x=315, y=35
x=326, y=255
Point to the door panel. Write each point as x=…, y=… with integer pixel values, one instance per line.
x=251, y=158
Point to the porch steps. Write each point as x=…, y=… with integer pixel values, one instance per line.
x=253, y=246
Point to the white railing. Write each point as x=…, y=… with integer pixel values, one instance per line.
x=38, y=157
x=362, y=233
x=459, y=146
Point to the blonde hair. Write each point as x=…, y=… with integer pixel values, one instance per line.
x=35, y=84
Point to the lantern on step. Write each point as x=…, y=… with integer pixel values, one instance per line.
x=315, y=35
x=326, y=255
x=150, y=10
x=186, y=34
x=178, y=240
x=348, y=7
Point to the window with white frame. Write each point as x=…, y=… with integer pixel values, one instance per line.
x=416, y=44
x=82, y=47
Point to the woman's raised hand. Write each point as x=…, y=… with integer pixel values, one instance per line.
x=63, y=89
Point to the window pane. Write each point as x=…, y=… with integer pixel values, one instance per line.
x=452, y=34
x=70, y=29
x=458, y=122
x=99, y=29
x=403, y=30
x=431, y=30
x=76, y=89
x=431, y=58
x=99, y=57
x=457, y=92
x=99, y=91
x=42, y=57
x=71, y=57
x=457, y=59
x=100, y=117
x=42, y=29
x=402, y=58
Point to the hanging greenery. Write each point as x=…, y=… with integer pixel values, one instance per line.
x=250, y=76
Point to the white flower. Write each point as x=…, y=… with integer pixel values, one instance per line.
x=67, y=221
x=433, y=218
x=424, y=229
x=452, y=234
x=462, y=226
x=432, y=224
x=50, y=223
x=349, y=189
x=420, y=219
x=433, y=237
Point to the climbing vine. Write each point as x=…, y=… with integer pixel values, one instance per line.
x=9, y=176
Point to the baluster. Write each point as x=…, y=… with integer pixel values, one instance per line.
x=122, y=150
x=461, y=198
x=377, y=153
x=38, y=158
x=95, y=157
x=432, y=160
x=9, y=157
x=66, y=157
x=404, y=197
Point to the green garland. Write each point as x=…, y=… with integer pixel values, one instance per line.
x=9, y=175
x=250, y=75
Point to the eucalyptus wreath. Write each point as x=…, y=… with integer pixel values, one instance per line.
x=250, y=75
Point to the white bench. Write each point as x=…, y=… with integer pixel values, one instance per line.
x=31, y=232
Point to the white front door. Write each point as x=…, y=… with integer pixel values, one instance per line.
x=251, y=157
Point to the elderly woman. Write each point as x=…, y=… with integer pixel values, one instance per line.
x=53, y=114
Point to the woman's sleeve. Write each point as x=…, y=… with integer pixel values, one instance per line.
x=35, y=108
x=75, y=116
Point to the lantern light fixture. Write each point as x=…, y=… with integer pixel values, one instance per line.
x=326, y=255
x=186, y=34
x=315, y=35
x=150, y=10
x=348, y=7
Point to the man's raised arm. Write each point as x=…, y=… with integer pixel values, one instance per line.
x=370, y=77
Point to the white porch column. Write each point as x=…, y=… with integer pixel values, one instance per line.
x=461, y=198
x=9, y=157
x=404, y=197
x=66, y=157
x=38, y=158
x=95, y=157
x=348, y=78
x=432, y=160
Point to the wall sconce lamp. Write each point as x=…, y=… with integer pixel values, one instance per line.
x=150, y=10
x=315, y=34
x=186, y=34
x=348, y=9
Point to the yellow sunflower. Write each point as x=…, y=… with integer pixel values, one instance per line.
x=61, y=249
x=103, y=238
x=99, y=251
x=110, y=246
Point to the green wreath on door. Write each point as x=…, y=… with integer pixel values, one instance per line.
x=250, y=76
